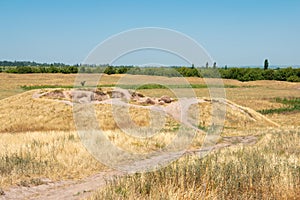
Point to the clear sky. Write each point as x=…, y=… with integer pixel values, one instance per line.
x=234, y=32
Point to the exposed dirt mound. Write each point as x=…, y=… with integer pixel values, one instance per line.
x=99, y=95
x=44, y=110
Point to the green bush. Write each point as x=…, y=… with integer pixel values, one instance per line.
x=109, y=70
x=293, y=79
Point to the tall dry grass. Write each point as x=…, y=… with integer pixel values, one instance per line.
x=25, y=158
x=30, y=156
x=267, y=170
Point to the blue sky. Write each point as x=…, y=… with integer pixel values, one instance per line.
x=234, y=32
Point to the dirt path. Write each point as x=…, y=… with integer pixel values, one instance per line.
x=61, y=189
x=74, y=190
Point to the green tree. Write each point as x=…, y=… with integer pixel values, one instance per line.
x=293, y=79
x=82, y=70
x=268, y=74
x=215, y=65
x=53, y=69
x=73, y=69
x=109, y=70
x=266, y=64
x=122, y=70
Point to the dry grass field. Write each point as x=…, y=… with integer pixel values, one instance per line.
x=29, y=157
x=38, y=141
x=267, y=170
x=10, y=84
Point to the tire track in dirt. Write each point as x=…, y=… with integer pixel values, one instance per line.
x=75, y=190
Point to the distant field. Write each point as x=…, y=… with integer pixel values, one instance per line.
x=12, y=83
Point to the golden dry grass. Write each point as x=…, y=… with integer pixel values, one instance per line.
x=30, y=156
x=267, y=170
x=22, y=113
x=238, y=120
x=10, y=84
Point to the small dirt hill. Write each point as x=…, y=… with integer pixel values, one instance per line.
x=44, y=110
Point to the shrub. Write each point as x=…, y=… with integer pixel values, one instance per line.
x=293, y=79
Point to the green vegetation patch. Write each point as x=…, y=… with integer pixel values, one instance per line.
x=291, y=105
x=136, y=87
x=34, y=87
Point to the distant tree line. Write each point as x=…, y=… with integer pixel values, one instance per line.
x=26, y=67
x=41, y=69
x=253, y=74
x=28, y=64
x=241, y=74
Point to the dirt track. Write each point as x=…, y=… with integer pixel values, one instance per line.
x=74, y=190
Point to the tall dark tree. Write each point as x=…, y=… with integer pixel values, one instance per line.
x=266, y=64
x=207, y=65
x=109, y=70
x=215, y=65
